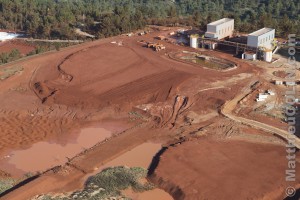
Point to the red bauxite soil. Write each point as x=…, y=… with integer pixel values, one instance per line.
x=60, y=92
x=228, y=170
x=23, y=47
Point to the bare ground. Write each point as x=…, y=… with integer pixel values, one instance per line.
x=59, y=92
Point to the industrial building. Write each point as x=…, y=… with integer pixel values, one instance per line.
x=220, y=29
x=7, y=36
x=257, y=45
x=261, y=38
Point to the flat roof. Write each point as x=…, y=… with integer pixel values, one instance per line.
x=261, y=31
x=220, y=21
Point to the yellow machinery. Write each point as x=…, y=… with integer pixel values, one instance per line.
x=156, y=46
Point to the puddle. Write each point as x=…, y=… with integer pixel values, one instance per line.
x=148, y=195
x=44, y=155
x=140, y=156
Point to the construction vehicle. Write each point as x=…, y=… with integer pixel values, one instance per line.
x=156, y=46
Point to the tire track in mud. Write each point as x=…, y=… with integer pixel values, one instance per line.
x=107, y=76
x=20, y=130
x=71, y=164
x=156, y=87
x=229, y=106
x=66, y=76
x=42, y=90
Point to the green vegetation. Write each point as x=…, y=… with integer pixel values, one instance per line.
x=57, y=19
x=11, y=56
x=10, y=71
x=109, y=183
x=6, y=184
x=41, y=47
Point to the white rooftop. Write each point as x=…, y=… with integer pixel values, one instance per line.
x=7, y=36
x=220, y=21
x=261, y=31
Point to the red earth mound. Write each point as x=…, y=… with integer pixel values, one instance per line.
x=208, y=169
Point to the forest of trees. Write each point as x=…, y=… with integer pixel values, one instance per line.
x=57, y=18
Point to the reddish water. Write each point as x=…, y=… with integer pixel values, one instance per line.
x=148, y=195
x=44, y=155
x=140, y=156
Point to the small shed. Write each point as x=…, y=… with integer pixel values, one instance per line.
x=249, y=56
x=278, y=82
x=262, y=97
x=290, y=83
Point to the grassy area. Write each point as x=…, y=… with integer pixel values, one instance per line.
x=10, y=71
x=109, y=183
x=13, y=55
x=42, y=47
x=39, y=47
x=6, y=184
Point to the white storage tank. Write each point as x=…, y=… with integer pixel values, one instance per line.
x=194, y=41
x=268, y=55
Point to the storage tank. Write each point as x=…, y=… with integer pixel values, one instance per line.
x=194, y=41
x=268, y=55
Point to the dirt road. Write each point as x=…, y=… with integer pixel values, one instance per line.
x=51, y=41
x=230, y=105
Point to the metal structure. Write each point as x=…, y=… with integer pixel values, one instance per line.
x=239, y=46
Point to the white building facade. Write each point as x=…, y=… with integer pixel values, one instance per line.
x=220, y=29
x=261, y=38
x=7, y=36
